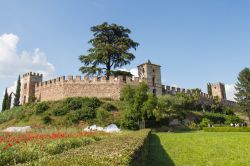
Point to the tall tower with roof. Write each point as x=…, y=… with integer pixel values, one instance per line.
x=151, y=74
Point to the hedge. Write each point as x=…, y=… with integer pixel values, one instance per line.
x=126, y=148
x=226, y=129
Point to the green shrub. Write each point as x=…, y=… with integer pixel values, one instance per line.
x=84, y=113
x=41, y=107
x=93, y=103
x=227, y=129
x=216, y=118
x=73, y=103
x=60, y=111
x=205, y=122
x=101, y=114
x=47, y=119
x=109, y=107
x=233, y=119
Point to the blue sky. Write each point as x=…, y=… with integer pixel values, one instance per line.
x=194, y=41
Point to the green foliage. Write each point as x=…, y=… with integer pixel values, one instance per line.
x=109, y=107
x=111, y=45
x=5, y=101
x=17, y=95
x=101, y=115
x=227, y=129
x=233, y=119
x=9, y=101
x=41, y=107
x=169, y=106
x=243, y=90
x=31, y=151
x=121, y=73
x=134, y=99
x=205, y=122
x=93, y=102
x=47, y=119
x=209, y=89
x=60, y=111
x=84, y=113
x=215, y=118
x=128, y=148
x=73, y=103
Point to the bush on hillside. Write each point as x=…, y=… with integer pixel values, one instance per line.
x=205, y=122
x=102, y=115
x=109, y=107
x=93, y=103
x=84, y=113
x=47, y=119
x=60, y=111
x=73, y=103
x=41, y=107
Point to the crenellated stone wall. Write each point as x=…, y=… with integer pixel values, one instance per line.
x=175, y=90
x=63, y=87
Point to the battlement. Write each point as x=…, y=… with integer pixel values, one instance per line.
x=88, y=80
x=175, y=90
x=32, y=74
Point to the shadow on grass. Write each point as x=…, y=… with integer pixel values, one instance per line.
x=157, y=155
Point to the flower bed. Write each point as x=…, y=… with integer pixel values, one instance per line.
x=20, y=148
x=127, y=148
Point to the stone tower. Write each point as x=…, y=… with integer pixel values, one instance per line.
x=151, y=74
x=218, y=89
x=28, y=82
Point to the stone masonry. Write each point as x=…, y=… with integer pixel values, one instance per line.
x=33, y=86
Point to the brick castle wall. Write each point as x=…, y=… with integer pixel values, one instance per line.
x=62, y=87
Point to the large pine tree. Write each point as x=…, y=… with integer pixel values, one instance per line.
x=243, y=91
x=5, y=100
x=111, y=49
x=17, y=95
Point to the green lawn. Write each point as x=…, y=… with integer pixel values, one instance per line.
x=200, y=148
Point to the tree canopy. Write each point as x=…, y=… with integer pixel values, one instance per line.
x=110, y=50
x=243, y=90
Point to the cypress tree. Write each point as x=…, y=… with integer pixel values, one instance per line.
x=5, y=101
x=9, y=102
x=209, y=89
x=17, y=96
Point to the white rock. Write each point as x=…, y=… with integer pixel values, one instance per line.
x=111, y=128
x=93, y=127
x=86, y=129
x=18, y=129
x=99, y=129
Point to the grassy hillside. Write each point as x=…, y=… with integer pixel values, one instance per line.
x=68, y=112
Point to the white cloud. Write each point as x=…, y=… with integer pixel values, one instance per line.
x=230, y=91
x=133, y=71
x=13, y=63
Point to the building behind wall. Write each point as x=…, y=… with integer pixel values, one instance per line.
x=151, y=74
x=33, y=86
x=218, y=89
